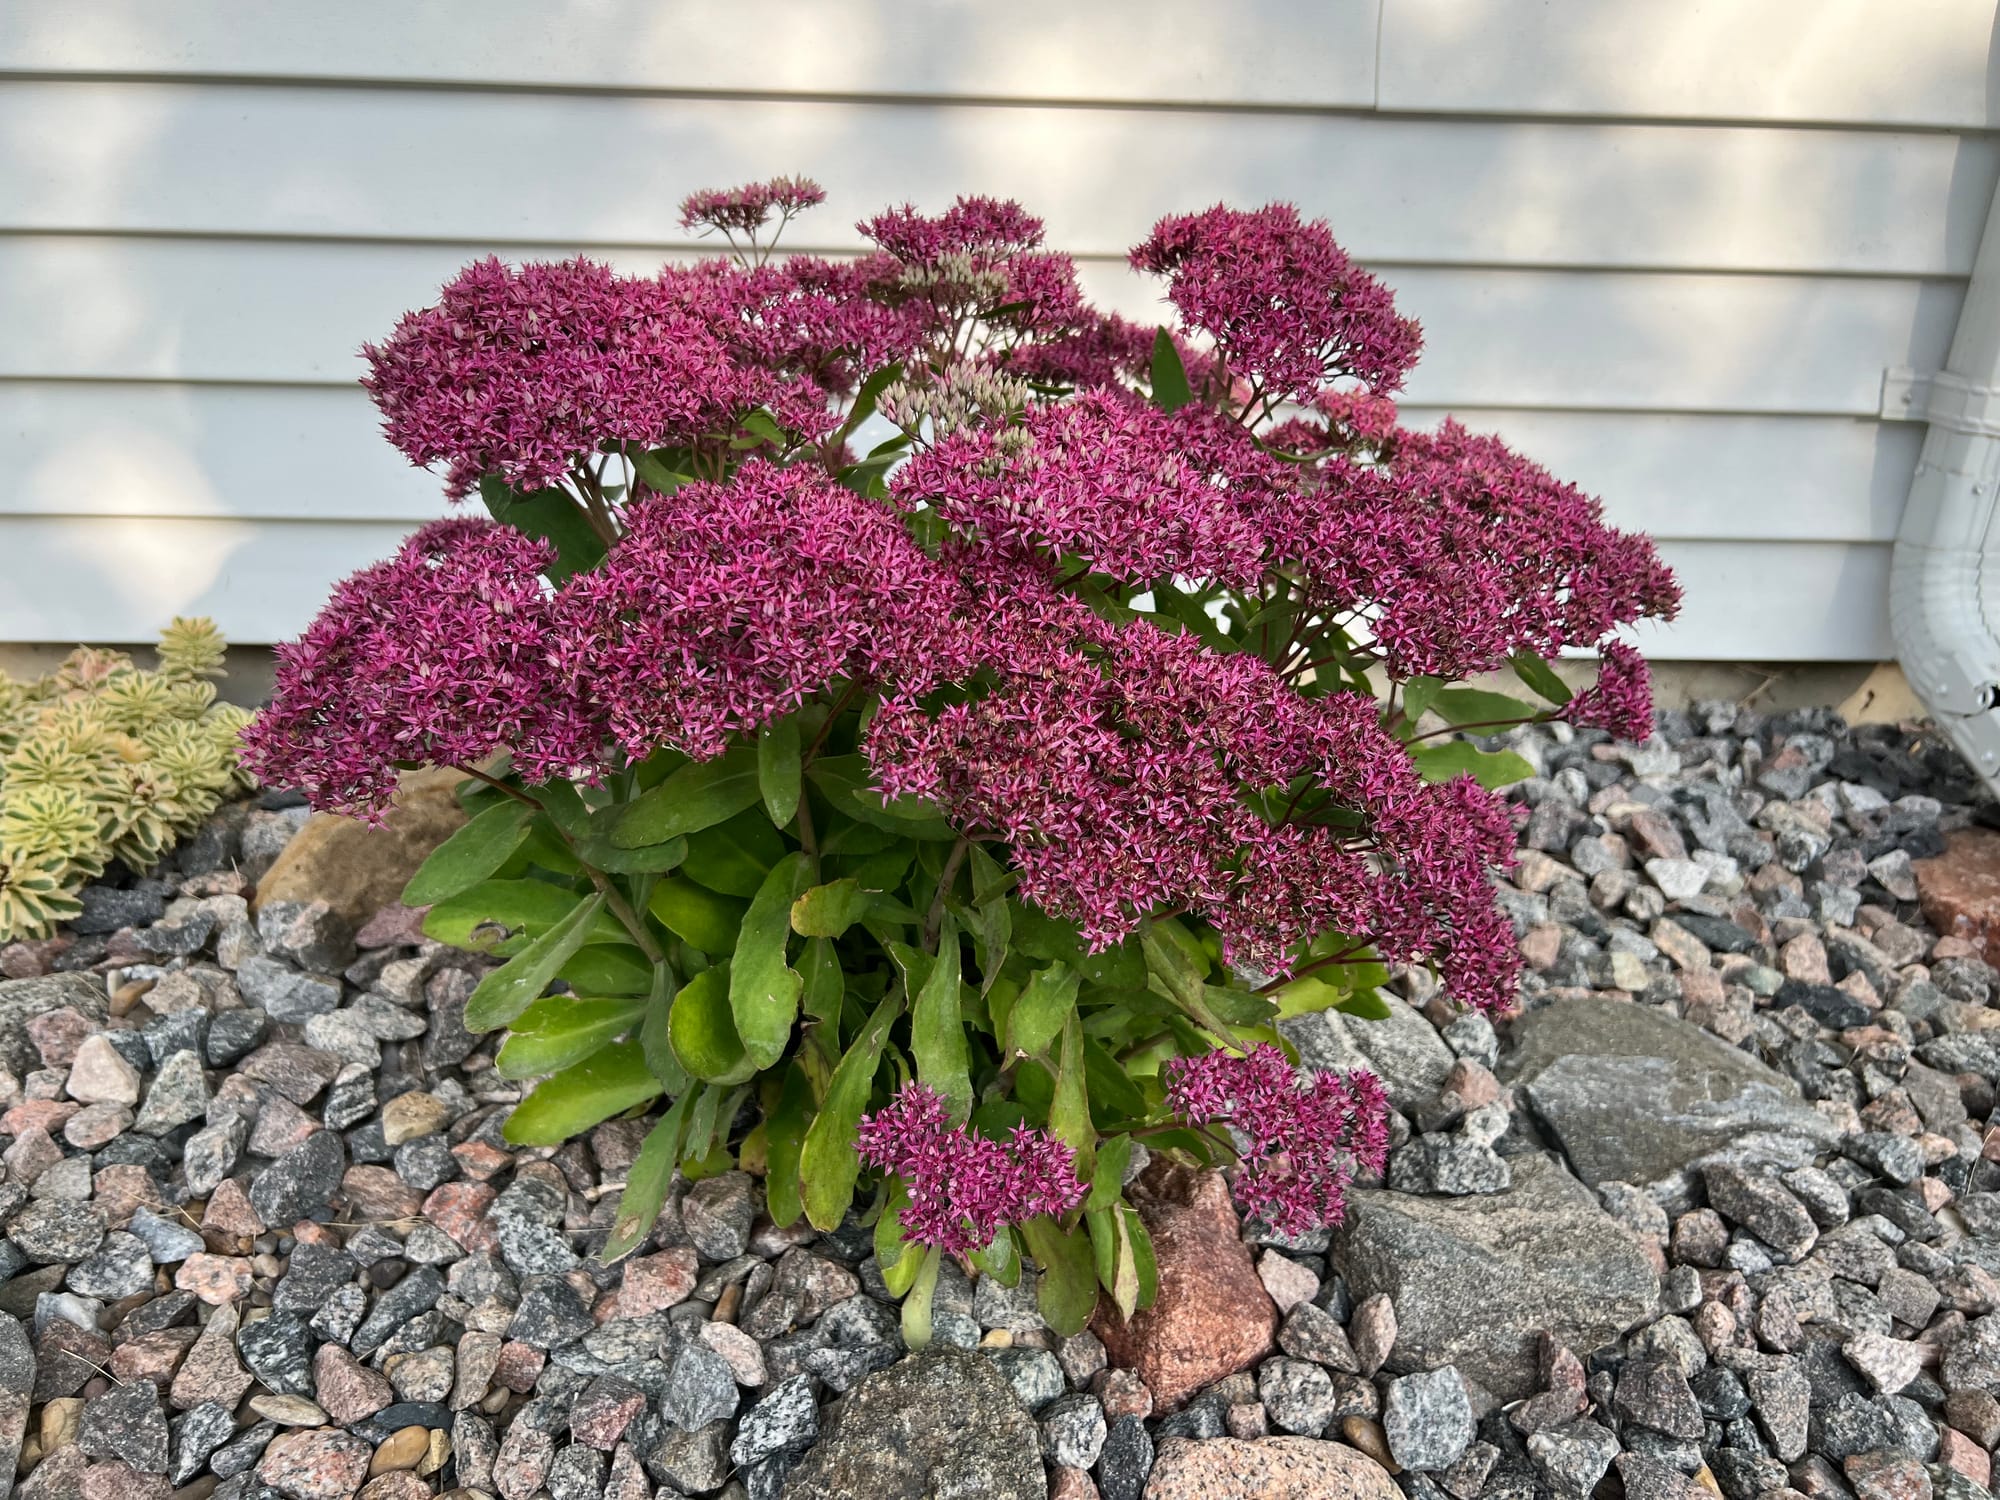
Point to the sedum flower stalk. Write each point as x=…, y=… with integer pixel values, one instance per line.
x=933, y=736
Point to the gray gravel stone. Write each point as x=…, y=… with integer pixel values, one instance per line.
x=283, y=993
x=300, y=1182
x=1297, y=1394
x=1573, y=1458
x=1073, y=1430
x=1427, y=1419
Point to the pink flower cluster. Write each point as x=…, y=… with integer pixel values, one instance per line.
x=439, y=655
x=1302, y=1138
x=964, y=1187
x=1116, y=761
x=1621, y=700
x=745, y=210
x=1132, y=770
x=1284, y=305
x=525, y=372
x=1456, y=552
x=1133, y=492
x=728, y=605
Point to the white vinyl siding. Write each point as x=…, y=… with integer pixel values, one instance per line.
x=1667, y=249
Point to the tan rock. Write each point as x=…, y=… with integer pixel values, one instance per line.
x=402, y=1449
x=1213, y=1316
x=358, y=870
x=410, y=1116
x=1284, y=1468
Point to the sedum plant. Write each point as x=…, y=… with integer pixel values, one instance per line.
x=103, y=760
x=928, y=732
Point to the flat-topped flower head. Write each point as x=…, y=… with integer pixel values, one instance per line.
x=727, y=605
x=964, y=1188
x=444, y=654
x=1282, y=302
x=745, y=210
x=1303, y=1135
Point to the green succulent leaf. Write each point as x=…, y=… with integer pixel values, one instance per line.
x=577, y=1098
x=827, y=911
x=937, y=1030
x=510, y=989
x=779, y=770
x=555, y=1033
x=785, y=1140
x=1038, y=1013
x=1540, y=676
x=1068, y=1291
x=702, y=1030
x=647, y=1182
x=763, y=988
x=697, y=796
x=734, y=857
x=1492, y=769
x=830, y=1164
x=470, y=855
x=1457, y=705
x=1171, y=390
x=696, y=915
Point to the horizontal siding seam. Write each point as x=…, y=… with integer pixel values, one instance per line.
x=1302, y=107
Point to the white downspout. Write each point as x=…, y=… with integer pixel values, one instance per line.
x=1944, y=583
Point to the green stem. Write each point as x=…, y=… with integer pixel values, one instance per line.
x=917, y=1305
x=613, y=897
x=934, y=919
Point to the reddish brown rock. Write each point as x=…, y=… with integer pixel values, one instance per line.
x=216, y=1279
x=1960, y=889
x=652, y=1284
x=348, y=1389
x=229, y=1211
x=1960, y=1452
x=211, y=1371
x=318, y=1463
x=1071, y=1484
x=120, y=1188
x=377, y=1195
x=1213, y=1316
x=151, y=1356
x=1284, y=1468
x=119, y=1481
x=459, y=1209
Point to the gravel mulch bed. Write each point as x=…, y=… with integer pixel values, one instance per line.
x=1714, y=1215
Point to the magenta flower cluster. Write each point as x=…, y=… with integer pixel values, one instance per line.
x=440, y=655
x=990, y=607
x=1302, y=1137
x=964, y=1188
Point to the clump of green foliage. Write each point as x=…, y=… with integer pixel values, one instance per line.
x=102, y=761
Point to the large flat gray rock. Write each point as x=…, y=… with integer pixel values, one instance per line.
x=1633, y=1095
x=1475, y=1280
x=17, y=1385
x=1403, y=1050
x=23, y=999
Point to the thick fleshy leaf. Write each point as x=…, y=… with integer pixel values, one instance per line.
x=703, y=1033
x=734, y=857
x=1037, y=1015
x=917, y=1302
x=778, y=769
x=505, y=916
x=830, y=1163
x=1001, y=1259
x=647, y=1181
x=843, y=779
x=827, y=911
x=1107, y=1181
x=820, y=999
x=1540, y=676
x=1492, y=769
x=1365, y=1004
x=1457, y=705
x=650, y=859
x=937, y=1030
x=518, y=983
x=695, y=797
x=1123, y=1254
x=605, y=970
x=562, y=1030
x=785, y=1139
x=1068, y=1293
x=551, y=515
x=763, y=987
x=1069, y=1109
x=655, y=1038
x=470, y=855
x=696, y=915
x=1171, y=390
x=577, y=1098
